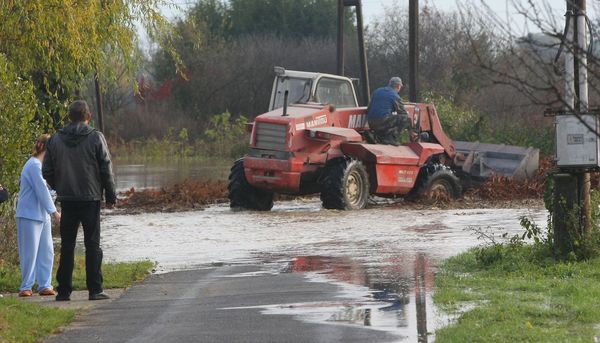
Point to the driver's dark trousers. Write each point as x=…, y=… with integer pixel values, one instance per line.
x=388, y=130
x=86, y=213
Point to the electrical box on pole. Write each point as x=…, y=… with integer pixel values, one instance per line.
x=577, y=142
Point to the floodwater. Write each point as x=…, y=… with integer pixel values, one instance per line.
x=153, y=174
x=382, y=259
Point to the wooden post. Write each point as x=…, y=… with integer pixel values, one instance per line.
x=340, y=38
x=581, y=81
x=413, y=50
x=565, y=223
x=99, y=103
x=364, y=70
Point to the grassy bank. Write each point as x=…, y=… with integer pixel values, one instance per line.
x=116, y=275
x=27, y=322
x=519, y=294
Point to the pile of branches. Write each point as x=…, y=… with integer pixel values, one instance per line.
x=502, y=188
x=187, y=195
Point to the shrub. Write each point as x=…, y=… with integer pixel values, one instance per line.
x=18, y=129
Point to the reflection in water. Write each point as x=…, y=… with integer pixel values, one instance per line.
x=386, y=306
x=163, y=173
x=420, y=299
x=372, y=255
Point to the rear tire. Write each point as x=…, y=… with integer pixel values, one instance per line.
x=243, y=195
x=344, y=185
x=440, y=183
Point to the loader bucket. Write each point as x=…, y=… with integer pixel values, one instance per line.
x=481, y=160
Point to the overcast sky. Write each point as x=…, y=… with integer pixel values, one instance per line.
x=374, y=8
x=504, y=9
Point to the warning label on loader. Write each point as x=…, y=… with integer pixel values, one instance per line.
x=406, y=176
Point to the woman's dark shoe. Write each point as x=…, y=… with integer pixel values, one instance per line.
x=99, y=296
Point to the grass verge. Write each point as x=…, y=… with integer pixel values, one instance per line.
x=116, y=275
x=27, y=322
x=520, y=295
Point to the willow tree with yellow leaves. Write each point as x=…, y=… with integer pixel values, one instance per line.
x=49, y=51
x=53, y=48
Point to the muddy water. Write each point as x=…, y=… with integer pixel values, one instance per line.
x=144, y=174
x=383, y=258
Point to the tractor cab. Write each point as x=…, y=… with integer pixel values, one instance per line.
x=307, y=87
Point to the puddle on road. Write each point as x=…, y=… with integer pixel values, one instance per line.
x=382, y=259
x=401, y=305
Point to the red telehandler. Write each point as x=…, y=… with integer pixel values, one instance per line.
x=315, y=139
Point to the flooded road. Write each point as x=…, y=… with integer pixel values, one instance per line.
x=152, y=174
x=382, y=260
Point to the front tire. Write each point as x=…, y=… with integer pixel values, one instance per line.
x=344, y=185
x=243, y=195
x=440, y=183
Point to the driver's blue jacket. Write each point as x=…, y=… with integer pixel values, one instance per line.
x=384, y=101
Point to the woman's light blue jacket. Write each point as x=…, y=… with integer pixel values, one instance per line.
x=35, y=201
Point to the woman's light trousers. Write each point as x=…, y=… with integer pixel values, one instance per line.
x=36, y=253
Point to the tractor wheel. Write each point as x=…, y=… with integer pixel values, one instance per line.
x=344, y=185
x=243, y=195
x=440, y=183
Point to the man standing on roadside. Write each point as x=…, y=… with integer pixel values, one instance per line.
x=77, y=165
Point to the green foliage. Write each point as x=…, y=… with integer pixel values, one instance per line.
x=459, y=123
x=225, y=137
x=116, y=275
x=22, y=322
x=60, y=44
x=577, y=244
x=519, y=296
x=17, y=112
x=463, y=123
x=25, y=322
x=288, y=18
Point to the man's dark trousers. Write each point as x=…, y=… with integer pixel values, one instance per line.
x=388, y=129
x=88, y=214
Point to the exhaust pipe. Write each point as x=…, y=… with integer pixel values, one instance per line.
x=285, y=103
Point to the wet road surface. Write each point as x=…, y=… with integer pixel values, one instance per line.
x=295, y=274
x=211, y=306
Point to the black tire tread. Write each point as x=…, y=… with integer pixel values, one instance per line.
x=243, y=195
x=435, y=172
x=332, y=183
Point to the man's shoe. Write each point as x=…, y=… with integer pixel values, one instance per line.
x=47, y=292
x=25, y=293
x=99, y=296
x=63, y=297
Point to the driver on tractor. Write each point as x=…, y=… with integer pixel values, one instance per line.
x=386, y=114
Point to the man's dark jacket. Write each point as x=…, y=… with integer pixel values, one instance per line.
x=77, y=165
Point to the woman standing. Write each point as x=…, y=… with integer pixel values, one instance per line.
x=36, y=252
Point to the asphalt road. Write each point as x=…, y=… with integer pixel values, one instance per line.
x=204, y=306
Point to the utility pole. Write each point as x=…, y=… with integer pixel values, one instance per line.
x=99, y=103
x=582, y=106
x=413, y=50
x=571, y=198
x=364, y=69
x=340, y=38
